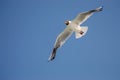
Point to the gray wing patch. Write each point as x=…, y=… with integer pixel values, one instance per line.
x=85, y=15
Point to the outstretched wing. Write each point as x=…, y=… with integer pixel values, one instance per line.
x=85, y=15
x=62, y=37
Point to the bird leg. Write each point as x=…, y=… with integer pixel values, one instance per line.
x=81, y=32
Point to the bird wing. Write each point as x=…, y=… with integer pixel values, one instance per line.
x=85, y=15
x=62, y=37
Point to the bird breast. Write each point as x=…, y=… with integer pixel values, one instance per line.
x=73, y=26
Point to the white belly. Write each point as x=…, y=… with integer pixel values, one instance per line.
x=74, y=27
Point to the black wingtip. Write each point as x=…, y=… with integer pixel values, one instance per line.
x=52, y=56
x=101, y=8
x=97, y=9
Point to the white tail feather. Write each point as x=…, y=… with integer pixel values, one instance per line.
x=78, y=34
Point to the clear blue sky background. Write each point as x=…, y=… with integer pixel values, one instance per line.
x=28, y=29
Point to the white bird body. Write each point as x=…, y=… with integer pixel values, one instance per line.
x=73, y=26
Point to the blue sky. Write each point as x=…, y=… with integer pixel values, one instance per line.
x=28, y=30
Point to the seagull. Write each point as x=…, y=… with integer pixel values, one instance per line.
x=73, y=26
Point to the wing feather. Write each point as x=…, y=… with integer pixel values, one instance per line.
x=85, y=15
x=62, y=37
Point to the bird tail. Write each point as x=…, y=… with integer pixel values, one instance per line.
x=52, y=56
x=81, y=33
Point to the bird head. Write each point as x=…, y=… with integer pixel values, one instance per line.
x=67, y=22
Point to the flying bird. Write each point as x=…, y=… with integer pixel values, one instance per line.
x=73, y=26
